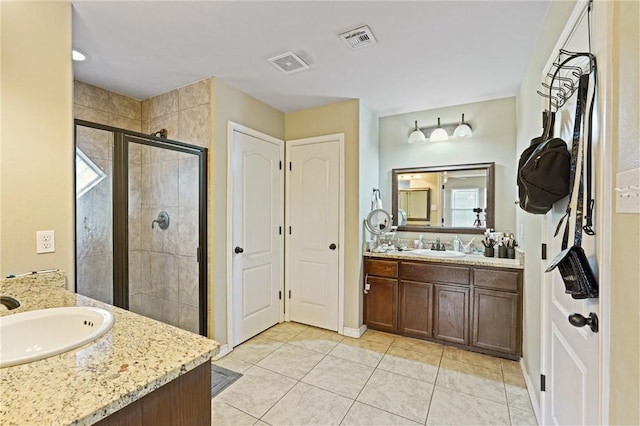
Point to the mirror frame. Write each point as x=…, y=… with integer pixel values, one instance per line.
x=490, y=214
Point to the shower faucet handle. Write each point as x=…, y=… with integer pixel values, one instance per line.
x=162, y=220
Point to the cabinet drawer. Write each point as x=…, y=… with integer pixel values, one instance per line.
x=497, y=280
x=425, y=272
x=382, y=268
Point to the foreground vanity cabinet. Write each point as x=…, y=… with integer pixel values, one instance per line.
x=477, y=307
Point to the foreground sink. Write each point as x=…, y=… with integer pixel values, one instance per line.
x=35, y=335
x=435, y=253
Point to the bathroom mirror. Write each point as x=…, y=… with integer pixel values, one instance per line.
x=450, y=199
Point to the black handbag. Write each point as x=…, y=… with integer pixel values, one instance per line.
x=572, y=263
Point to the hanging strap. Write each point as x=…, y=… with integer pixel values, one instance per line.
x=588, y=227
x=583, y=89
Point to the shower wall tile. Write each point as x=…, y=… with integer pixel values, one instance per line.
x=135, y=225
x=121, y=122
x=188, y=183
x=195, y=126
x=125, y=106
x=188, y=231
x=164, y=282
x=189, y=281
x=156, y=307
x=135, y=185
x=90, y=114
x=135, y=153
x=95, y=277
x=135, y=270
x=170, y=236
x=144, y=110
x=145, y=272
x=164, y=104
x=164, y=183
x=194, y=94
x=90, y=96
x=95, y=143
x=188, y=318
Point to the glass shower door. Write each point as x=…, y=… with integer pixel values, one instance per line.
x=94, y=213
x=163, y=234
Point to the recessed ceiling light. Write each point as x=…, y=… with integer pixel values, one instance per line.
x=78, y=55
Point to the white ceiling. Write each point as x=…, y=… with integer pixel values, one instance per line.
x=429, y=54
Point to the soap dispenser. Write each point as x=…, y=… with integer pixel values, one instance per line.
x=420, y=242
x=457, y=245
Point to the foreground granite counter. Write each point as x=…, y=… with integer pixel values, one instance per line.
x=82, y=386
x=467, y=259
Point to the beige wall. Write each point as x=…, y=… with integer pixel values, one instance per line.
x=36, y=178
x=529, y=108
x=625, y=251
x=228, y=104
x=494, y=136
x=340, y=117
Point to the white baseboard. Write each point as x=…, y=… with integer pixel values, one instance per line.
x=224, y=349
x=354, y=332
x=532, y=392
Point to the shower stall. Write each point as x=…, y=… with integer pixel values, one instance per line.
x=141, y=224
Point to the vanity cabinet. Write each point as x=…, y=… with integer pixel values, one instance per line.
x=381, y=288
x=475, y=307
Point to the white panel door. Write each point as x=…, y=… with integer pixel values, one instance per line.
x=571, y=356
x=256, y=241
x=314, y=203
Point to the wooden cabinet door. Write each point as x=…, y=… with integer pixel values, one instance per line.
x=451, y=313
x=381, y=304
x=416, y=301
x=495, y=321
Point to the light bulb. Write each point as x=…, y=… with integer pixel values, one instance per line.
x=439, y=134
x=417, y=135
x=463, y=130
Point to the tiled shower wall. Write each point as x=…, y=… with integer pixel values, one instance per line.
x=163, y=268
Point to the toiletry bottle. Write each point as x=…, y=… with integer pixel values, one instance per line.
x=420, y=242
x=456, y=244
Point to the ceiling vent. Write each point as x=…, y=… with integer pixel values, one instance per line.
x=289, y=63
x=358, y=38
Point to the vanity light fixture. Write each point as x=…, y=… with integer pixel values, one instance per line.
x=463, y=130
x=439, y=134
x=78, y=56
x=417, y=135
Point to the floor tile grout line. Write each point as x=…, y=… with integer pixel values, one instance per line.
x=434, y=387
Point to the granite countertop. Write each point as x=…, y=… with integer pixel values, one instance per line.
x=84, y=385
x=467, y=259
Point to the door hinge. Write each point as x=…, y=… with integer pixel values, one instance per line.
x=289, y=165
x=279, y=230
x=544, y=251
x=280, y=165
x=543, y=383
x=280, y=295
x=289, y=294
x=289, y=230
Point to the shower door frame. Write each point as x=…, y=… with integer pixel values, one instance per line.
x=120, y=207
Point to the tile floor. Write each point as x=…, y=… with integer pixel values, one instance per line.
x=300, y=375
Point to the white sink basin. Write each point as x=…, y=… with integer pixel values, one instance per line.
x=436, y=253
x=35, y=335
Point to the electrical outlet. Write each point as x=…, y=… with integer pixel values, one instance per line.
x=45, y=242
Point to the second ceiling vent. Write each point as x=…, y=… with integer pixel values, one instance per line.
x=289, y=63
x=358, y=38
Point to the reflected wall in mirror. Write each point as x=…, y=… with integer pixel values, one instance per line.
x=457, y=198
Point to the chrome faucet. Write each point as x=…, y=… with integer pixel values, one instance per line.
x=162, y=220
x=437, y=246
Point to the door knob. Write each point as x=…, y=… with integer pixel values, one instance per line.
x=238, y=250
x=577, y=320
x=332, y=246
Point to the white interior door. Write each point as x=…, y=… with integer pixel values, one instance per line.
x=314, y=194
x=571, y=356
x=256, y=219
